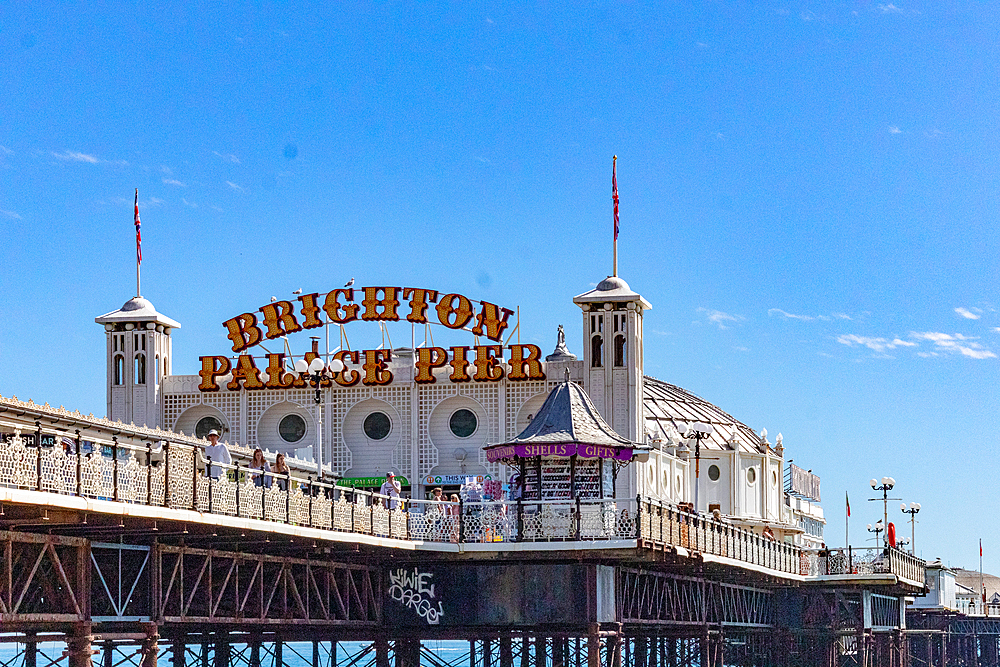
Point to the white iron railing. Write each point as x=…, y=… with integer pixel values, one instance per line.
x=173, y=475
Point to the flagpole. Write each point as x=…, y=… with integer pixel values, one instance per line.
x=847, y=520
x=138, y=255
x=614, y=197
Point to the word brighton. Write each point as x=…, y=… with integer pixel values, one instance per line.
x=381, y=304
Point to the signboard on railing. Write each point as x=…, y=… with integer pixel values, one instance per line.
x=802, y=483
x=369, y=482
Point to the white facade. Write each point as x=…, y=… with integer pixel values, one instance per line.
x=423, y=431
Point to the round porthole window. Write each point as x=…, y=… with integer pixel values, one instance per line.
x=714, y=473
x=751, y=475
x=463, y=423
x=206, y=424
x=377, y=425
x=292, y=428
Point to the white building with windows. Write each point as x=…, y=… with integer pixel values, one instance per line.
x=426, y=413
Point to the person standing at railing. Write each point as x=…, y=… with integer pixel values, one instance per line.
x=452, y=511
x=218, y=452
x=260, y=469
x=280, y=468
x=435, y=514
x=391, y=488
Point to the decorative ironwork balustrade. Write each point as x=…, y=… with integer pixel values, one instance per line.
x=864, y=561
x=173, y=475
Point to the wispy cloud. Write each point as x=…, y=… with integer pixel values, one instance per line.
x=808, y=318
x=719, y=318
x=876, y=344
x=10, y=214
x=973, y=314
x=894, y=129
x=890, y=9
x=228, y=158
x=5, y=151
x=955, y=344
x=166, y=170
x=189, y=203
x=171, y=181
x=73, y=156
x=235, y=187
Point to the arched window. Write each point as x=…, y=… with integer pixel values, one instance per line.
x=119, y=369
x=596, y=351
x=621, y=351
x=140, y=368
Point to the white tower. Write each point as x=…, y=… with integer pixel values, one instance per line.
x=612, y=354
x=138, y=356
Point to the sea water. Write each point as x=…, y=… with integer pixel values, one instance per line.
x=294, y=654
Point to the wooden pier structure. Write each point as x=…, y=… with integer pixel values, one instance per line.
x=129, y=554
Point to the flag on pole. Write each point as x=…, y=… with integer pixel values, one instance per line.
x=848, y=499
x=138, y=235
x=614, y=191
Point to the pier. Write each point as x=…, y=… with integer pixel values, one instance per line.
x=130, y=554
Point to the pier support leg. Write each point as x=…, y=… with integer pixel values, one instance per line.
x=407, y=652
x=79, y=646
x=30, y=651
x=506, y=652
x=593, y=646
x=255, y=651
x=150, y=647
x=381, y=653
x=221, y=653
x=540, y=657
x=525, y=651
x=278, y=645
x=177, y=650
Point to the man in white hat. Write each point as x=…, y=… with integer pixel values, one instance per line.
x=391, y=488
x=218, y=453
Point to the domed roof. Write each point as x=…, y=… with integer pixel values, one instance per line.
x=612, y=289
x=666, y=405
x=612, y=283
x=137, y=309
x=137, y=303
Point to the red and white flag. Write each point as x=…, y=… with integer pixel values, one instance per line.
x=614, y=191
x=138, y=234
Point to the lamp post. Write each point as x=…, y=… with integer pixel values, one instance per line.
x=912, y=511
x=877, y=528
x=697, y=431
x=315, y=372
x=885, y=487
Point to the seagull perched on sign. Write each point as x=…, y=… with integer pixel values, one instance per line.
x=298, y=291
x=273, y=299
x=349, y=282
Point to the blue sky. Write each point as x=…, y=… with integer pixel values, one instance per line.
x=807, y=199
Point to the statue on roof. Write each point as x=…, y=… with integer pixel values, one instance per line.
x=561, y=353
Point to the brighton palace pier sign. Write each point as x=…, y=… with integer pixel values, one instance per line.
x=380, y=304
